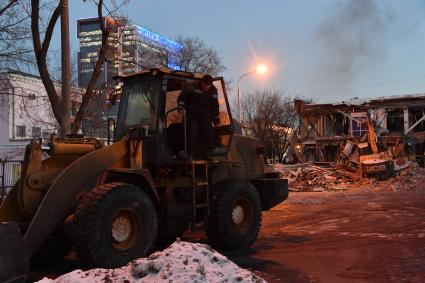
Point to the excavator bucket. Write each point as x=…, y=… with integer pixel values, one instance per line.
x=14, y=261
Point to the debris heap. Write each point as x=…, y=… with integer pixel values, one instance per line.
x=310, y=177
x=180, y=262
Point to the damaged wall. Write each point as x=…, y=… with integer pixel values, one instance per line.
x=325, y=128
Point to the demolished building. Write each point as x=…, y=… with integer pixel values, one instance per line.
x=398, y=122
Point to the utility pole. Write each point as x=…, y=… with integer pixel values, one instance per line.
x=66, y=70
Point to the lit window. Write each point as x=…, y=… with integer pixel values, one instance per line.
x=91, y=54
x=87, y=33
x=87, y=44
x=90, y=38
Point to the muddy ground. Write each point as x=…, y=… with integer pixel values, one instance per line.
x=358, y=235
x=351, y=236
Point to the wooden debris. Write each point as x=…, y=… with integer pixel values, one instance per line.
x=309, y=177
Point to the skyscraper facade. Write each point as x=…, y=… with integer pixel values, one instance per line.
x=131, y=48
x=143, y=48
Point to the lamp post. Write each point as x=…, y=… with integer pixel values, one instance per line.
x=239, y=95
x=261, y=69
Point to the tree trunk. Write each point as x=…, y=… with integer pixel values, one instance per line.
x=66, y=71
x=91, y=88
x=61, y=105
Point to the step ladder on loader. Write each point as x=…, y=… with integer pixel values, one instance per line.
x=200, y=189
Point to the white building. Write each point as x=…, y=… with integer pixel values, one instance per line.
x=25, y=113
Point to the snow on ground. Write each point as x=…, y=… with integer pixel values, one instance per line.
x=180, y=262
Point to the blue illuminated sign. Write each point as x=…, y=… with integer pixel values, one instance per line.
x=159, y=40
x=174, y=66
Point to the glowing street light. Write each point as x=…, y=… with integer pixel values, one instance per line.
x=261, y=70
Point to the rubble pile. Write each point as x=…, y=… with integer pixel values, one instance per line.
x=180, y=262
x=310, y=177
x=407, y=178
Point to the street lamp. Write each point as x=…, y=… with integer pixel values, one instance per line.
x=261, y=70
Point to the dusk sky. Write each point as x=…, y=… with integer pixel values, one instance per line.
x=325, y=49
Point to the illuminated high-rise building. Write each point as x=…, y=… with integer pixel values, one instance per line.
x=132, y=48
x=143, y=48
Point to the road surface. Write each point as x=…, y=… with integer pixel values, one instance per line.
x=350, y=236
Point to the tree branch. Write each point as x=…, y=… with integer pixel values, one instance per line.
x=50, y=28
x=96, y=71
x=40, y=54
x=11, y=3
x=35, y=27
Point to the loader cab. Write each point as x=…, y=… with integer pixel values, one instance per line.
x=148, y=107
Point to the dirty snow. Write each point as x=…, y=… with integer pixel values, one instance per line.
x=180, y=262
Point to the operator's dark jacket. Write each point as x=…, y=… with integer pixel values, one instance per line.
x=202, y=109
x=200, y=105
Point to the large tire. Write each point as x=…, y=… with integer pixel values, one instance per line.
x=235, y=215
x=114, y=224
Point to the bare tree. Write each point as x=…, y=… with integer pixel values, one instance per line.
x=54, y=64
x=41, y=48
x=271, y=116
x=14, y=35
x=195, y=56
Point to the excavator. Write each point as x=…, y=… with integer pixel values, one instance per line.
x=113, y=203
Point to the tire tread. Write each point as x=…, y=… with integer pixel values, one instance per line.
x=83, y=234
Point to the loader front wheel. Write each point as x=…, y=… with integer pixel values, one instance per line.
x=235, y=217
x=115, y=223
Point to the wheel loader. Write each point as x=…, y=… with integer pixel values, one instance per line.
x=112, y=203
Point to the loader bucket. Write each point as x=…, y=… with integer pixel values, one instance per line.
x=14, y=261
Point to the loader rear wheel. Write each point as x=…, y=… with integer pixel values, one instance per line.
x=235, y=217
x=115, y=223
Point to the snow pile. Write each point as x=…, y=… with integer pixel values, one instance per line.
x=180, y=262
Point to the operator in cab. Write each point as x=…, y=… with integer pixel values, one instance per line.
x=200, y=101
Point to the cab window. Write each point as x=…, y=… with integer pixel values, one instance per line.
x=223, y=130
x=138, y=106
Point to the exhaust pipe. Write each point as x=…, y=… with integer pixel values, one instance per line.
x=14, y=260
